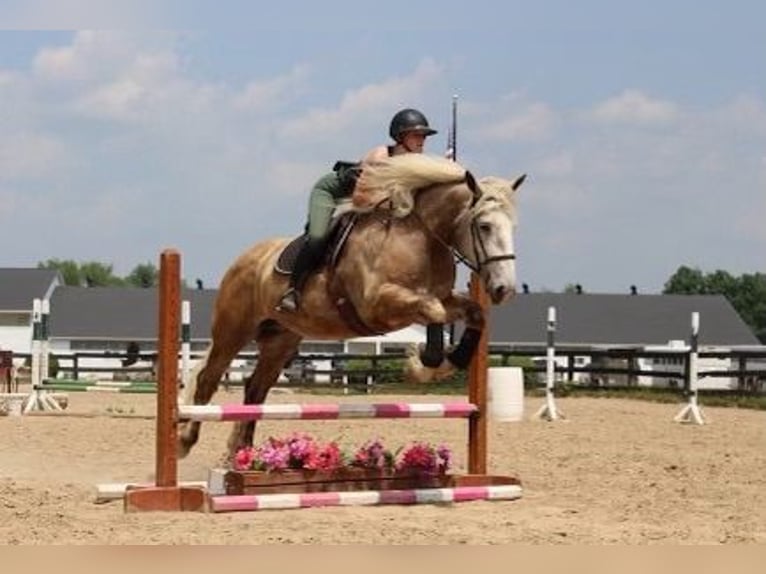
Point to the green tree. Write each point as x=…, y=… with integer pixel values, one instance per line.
x=573, y=288
x=69, y=270
x=144, y=275
x=747, y=293
x=98, y=274
x=685, y=281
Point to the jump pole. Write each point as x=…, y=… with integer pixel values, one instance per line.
x=185, y=341
x=691, y=412
x=166, y=494
x=549, y=411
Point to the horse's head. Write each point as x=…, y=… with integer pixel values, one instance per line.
x=475, y=218
x=485, y=234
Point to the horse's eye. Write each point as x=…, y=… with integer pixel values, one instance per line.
x=485, y=228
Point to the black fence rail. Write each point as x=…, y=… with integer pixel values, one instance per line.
x=370, y=370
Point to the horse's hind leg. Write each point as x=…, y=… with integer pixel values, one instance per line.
x=276, y=346
x=227, y=342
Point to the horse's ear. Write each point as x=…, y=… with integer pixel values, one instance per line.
x=518, y=181
x=470, y=181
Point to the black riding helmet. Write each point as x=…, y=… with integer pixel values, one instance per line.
x=409, y=120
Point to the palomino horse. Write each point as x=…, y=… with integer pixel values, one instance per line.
x=397, y=268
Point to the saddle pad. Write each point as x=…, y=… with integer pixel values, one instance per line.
x=286, y=260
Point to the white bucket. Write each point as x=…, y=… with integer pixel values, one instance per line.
x=506, y=393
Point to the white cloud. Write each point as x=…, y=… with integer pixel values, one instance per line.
x=747, y=113
x=363, y=104
x=267, y=94
x=534, y=122
x=31, y=156
x=634, y=107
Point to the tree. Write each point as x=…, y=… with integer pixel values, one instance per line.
x=686, y=281
x=98, y=274
x=573, y=288
x=144, y=275
x=747, y=293
x=69, y=270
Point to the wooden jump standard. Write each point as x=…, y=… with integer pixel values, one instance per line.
x=168, y=495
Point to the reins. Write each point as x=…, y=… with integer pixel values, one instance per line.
x=478, y=245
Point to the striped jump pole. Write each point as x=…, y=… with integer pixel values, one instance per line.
x=39, y=399
x=185, y=341
x=691, y=412
x=364, y=498
x=37, y=314
x=549, y=411
x=45, y=316
x=234, y=412
x=87, y=388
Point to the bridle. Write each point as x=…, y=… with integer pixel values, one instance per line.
x=479, y=249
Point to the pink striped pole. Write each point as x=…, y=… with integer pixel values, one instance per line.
x=234, y=412
x=364, y=498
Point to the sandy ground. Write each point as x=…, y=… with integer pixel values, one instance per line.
x=615, y=472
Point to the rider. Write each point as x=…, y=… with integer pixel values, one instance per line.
x=409, y=129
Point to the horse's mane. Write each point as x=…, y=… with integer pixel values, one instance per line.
x=398, y=178
x=497, y=189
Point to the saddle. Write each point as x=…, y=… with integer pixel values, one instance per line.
x=336, y=240
x=336, y=243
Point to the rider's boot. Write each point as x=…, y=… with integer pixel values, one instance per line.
x=306, y=262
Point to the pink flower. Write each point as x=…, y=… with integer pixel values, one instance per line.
x=329, y=457
x=243, y=460
x=424, y=458
x=373, y=455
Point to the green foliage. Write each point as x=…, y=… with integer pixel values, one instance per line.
x=69, y=270
x=145, y=275
x=389, y=372
x=96, y=274
x=746, y=293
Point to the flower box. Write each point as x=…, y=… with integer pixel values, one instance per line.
x=341, y=480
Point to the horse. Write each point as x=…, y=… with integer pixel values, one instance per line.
x=397, y=268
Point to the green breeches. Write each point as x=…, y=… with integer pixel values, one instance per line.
x=322, y=203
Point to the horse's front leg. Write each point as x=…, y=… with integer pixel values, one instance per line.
x=463, y=308
x=458, y=308
x=275, y=349
x=397, y=303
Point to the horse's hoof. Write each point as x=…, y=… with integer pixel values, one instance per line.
x=182, y=449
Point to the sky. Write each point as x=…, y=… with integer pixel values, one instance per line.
x=125, y=130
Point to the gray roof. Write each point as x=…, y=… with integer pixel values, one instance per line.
x=121, y=313
x=19, y=287
x=127, y=313
x=601, y=319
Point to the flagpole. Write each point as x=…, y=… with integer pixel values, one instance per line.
x=452, y=154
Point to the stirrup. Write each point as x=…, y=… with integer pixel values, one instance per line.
x=289, y=301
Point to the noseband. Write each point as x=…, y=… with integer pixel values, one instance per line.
x=482, y=258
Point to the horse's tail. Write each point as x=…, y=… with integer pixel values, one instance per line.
x=190, y=384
